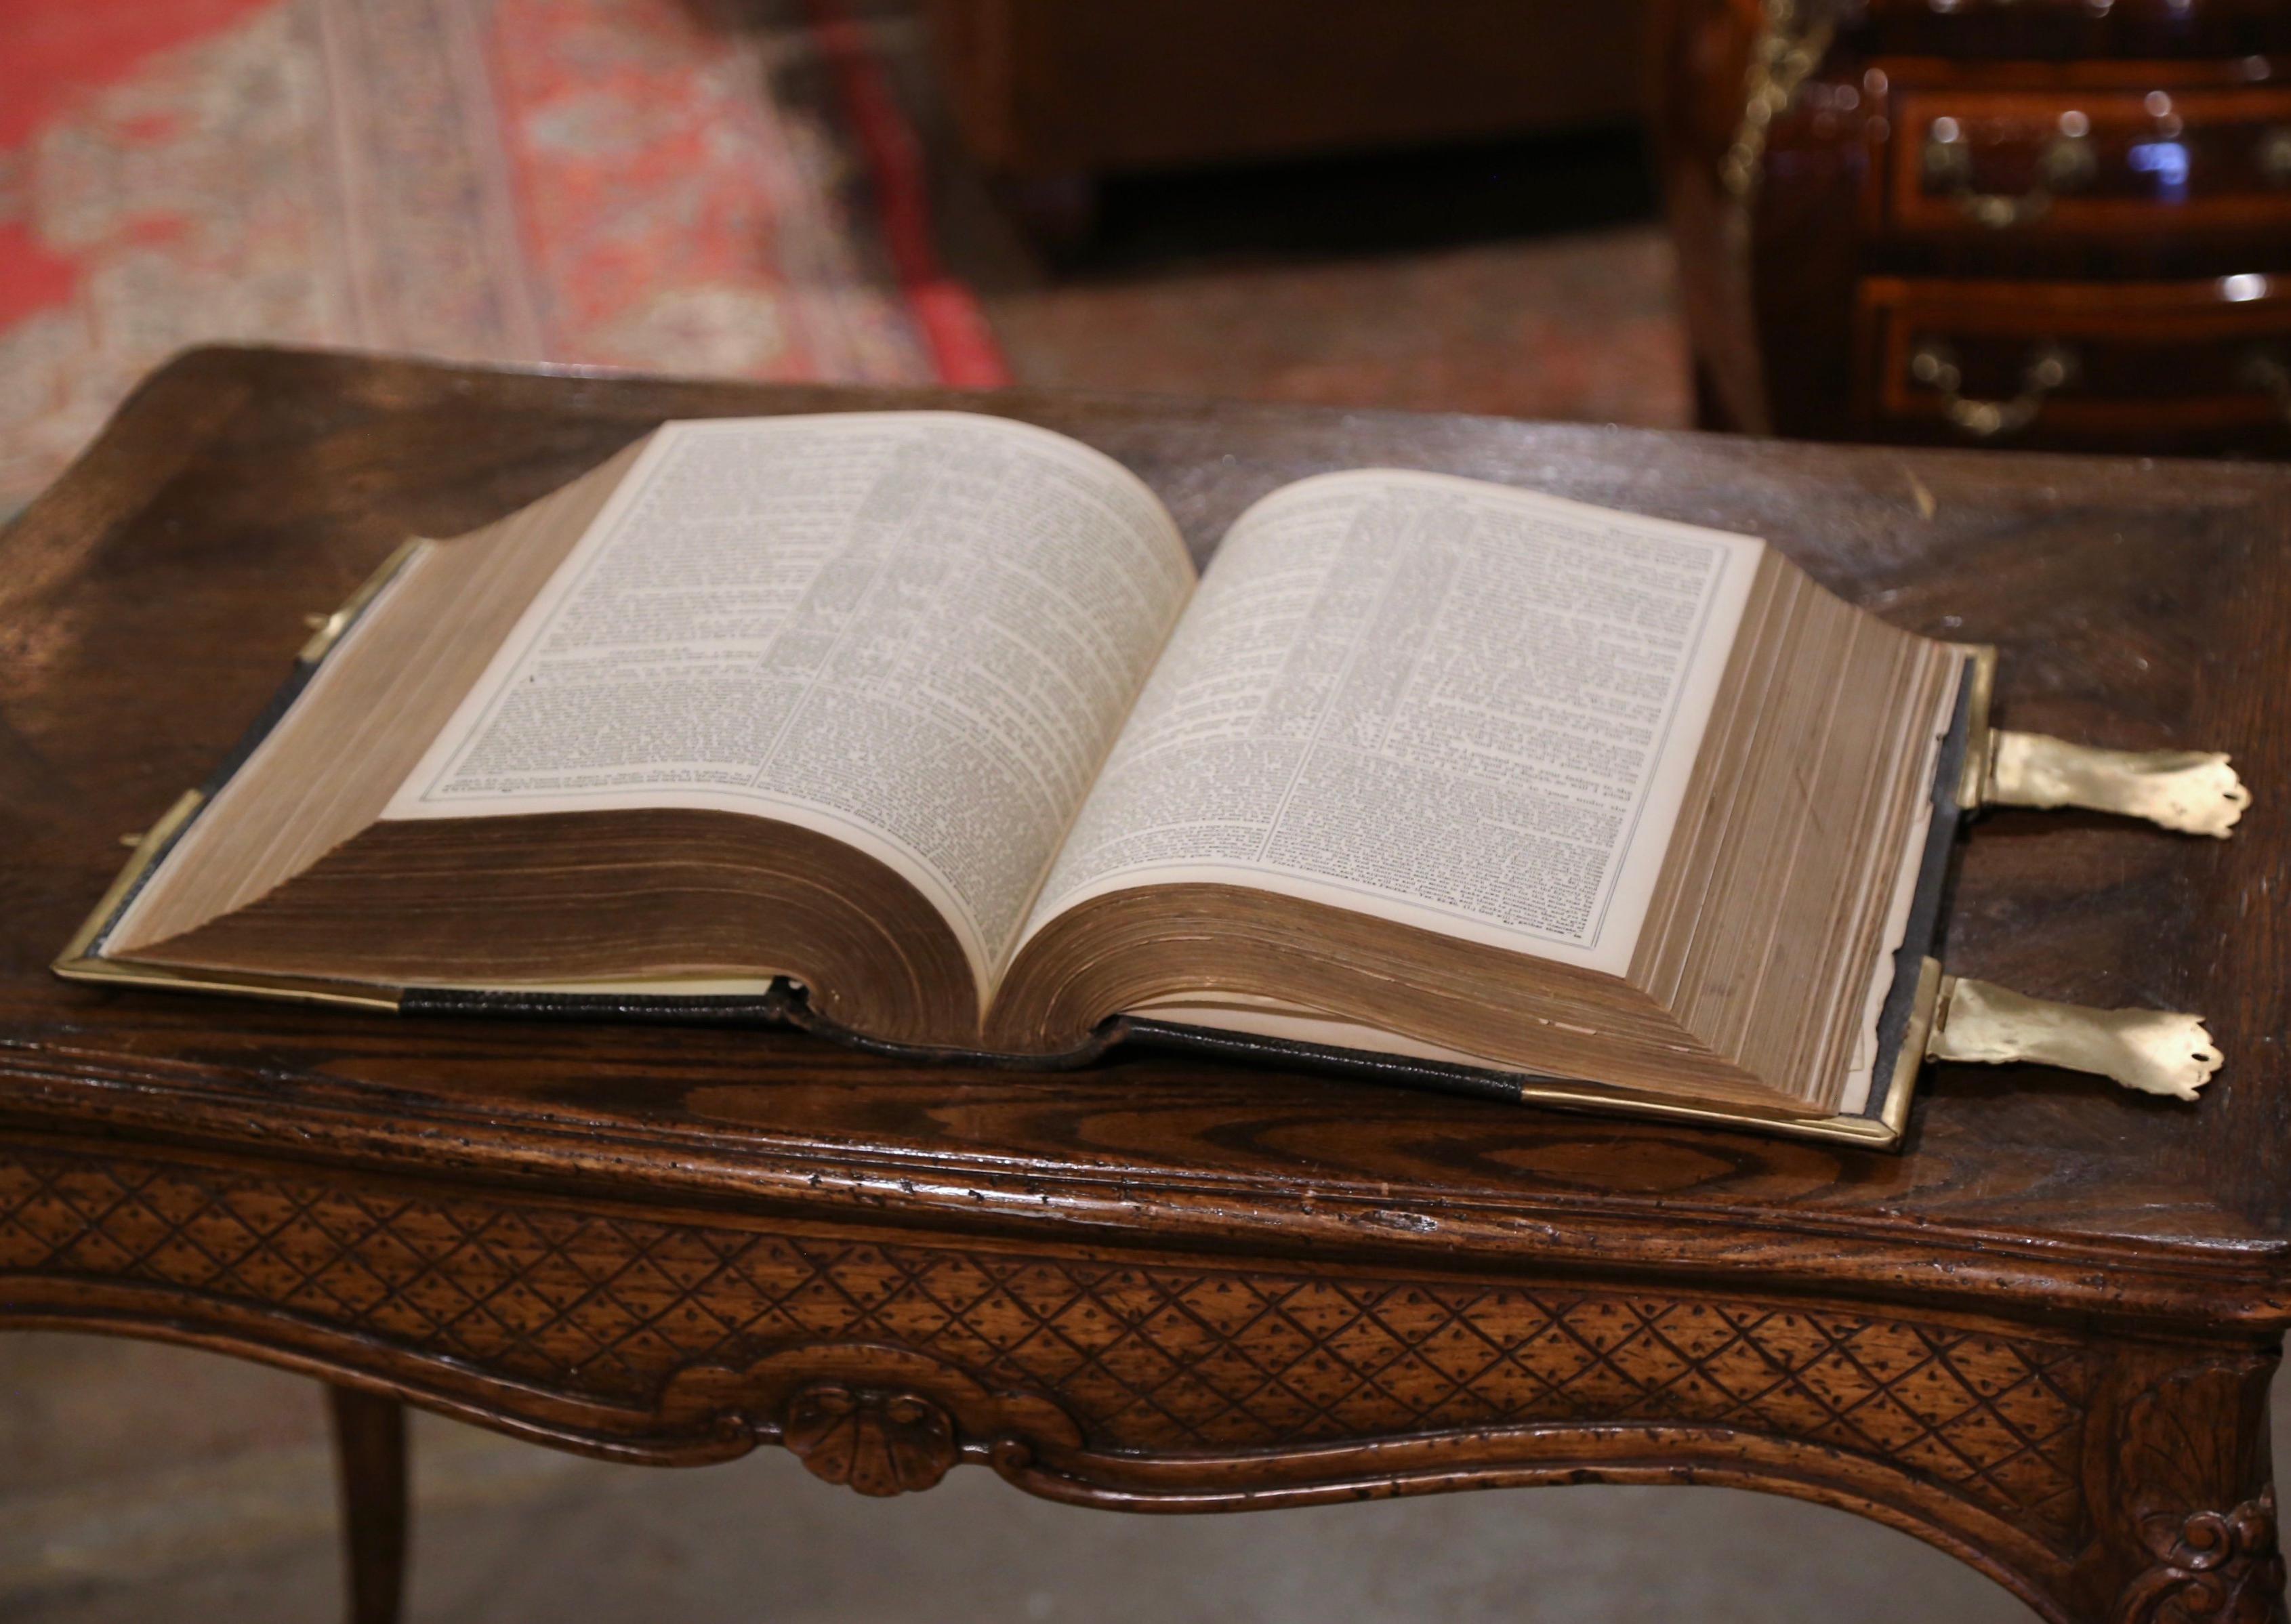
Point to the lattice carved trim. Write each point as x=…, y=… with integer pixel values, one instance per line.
x=1146, y=1358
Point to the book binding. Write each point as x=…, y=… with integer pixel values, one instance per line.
x=1925, y=1013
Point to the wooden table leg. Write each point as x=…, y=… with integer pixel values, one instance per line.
x=2183, y=1494
x=370, y=1454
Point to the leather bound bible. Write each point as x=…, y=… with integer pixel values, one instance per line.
x=919, y=730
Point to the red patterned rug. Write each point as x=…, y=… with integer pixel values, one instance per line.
x=666, y=184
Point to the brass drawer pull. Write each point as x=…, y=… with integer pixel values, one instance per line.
x=2066, y=164
x=2273, y=155
x=2050, y=368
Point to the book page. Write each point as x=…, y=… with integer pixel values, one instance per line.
x=917, y=632
x=1445, y=703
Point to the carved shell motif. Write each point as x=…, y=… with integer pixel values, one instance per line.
x=2186, y=1437
x=879, y=1444
x=2215, y=1566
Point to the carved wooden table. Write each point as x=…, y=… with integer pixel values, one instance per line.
x=2040, y=1340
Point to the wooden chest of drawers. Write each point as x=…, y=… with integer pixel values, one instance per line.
x=2033, y=222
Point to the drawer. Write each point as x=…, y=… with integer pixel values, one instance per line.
x=1985, y=161
x=2186, y=366
x=2066, y=29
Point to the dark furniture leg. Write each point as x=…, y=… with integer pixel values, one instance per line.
x=1710, y=411
x=370, y=1453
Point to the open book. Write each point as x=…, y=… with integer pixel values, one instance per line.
x=919, y=727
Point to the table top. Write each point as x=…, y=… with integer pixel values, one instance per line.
x=153, y=599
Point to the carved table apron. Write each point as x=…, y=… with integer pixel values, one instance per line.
x=1159, y=1381
x=2040, y=1340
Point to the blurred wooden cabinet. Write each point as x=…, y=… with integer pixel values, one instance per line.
x=2040, y=222
x=1073, y=89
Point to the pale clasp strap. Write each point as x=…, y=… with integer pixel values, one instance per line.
x=2152, y=1050
x=2193, y=790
